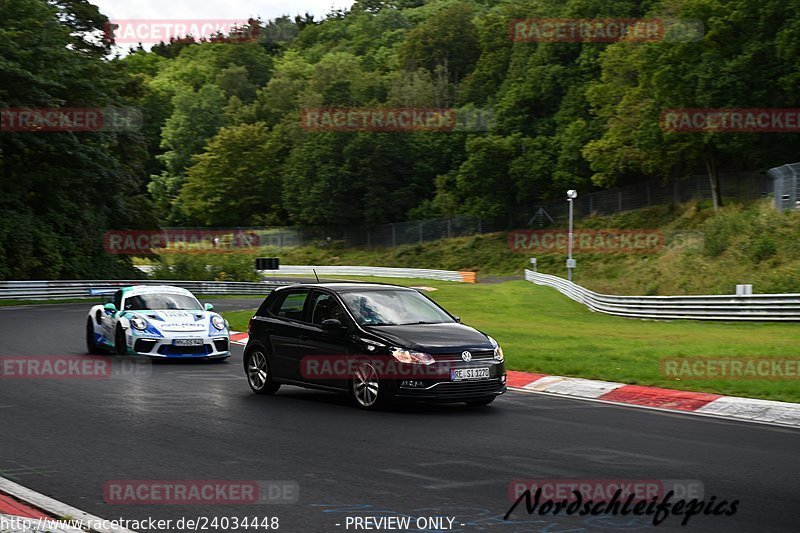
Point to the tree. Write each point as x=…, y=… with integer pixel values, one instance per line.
x=237, y=180
x=63, y=190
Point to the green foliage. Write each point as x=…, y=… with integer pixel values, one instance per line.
x=206, y=267
x=63, y=190
x=240, y=162
x=222, y=143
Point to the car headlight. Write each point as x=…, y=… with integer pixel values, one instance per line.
x=498, y=351
x=217, y=322
x=410, y=356
x=138, y=323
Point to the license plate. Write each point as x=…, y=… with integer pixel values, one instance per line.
x=187, y=342
x=461, y=374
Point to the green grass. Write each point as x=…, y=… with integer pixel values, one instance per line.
x=705, y=252
x=543, y=331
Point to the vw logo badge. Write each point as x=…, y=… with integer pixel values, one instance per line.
x=466, y=356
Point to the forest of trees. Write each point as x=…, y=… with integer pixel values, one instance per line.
x=221, y=143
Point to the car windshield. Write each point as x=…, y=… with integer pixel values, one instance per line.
x=394, y=308
x=148, y=302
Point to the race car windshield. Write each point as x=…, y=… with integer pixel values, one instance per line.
x=152, y=302
x=393, y=308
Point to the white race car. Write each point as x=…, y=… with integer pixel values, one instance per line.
x=157, y=322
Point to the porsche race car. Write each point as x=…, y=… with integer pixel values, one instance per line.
x=157, y=322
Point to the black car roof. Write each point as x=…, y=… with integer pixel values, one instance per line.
x=346, y=286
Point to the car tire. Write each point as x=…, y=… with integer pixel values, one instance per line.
x=481, y=403
x=91, y=345
x=120, y=344
x=367, y=390
x=259, y=376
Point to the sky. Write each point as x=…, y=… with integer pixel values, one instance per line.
x=207, y=9
x=187, y=10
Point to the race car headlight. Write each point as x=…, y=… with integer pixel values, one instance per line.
x=138, y=323
x=498, y=351
x=410, y=356
x=217, y=322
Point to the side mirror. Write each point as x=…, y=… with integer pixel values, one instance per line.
x=457, y=319
x=332, y=324
x=209, y=307
x=110, y=308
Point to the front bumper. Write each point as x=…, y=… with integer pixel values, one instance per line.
x=212, y=347
x=443, y=389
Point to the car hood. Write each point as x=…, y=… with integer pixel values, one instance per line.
x=433, y=338
x=172, y=320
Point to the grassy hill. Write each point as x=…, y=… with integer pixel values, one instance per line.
x=704, y=252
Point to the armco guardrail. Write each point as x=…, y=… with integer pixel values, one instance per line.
x=756, y=307
x=60, y=290
x=335, y=270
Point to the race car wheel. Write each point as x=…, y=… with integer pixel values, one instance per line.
x=91, y=346
x=119, y=341
x=259, y=376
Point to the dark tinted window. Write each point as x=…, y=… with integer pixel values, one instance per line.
x=290, y=305
x=324, y=306
x=118, y=300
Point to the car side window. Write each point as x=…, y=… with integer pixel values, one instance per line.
x=118, y=300
x=292, y=305
x=323, y=307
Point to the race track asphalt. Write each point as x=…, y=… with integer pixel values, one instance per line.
x=67, y=438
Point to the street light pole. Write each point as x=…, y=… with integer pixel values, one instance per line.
x=571, y=195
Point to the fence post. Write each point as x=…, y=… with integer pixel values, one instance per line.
x=420, y=232
x=647, y=189
x=369, y=239
x=394, y=235
x=449, y=229
x=619, y=201
x=480, y=229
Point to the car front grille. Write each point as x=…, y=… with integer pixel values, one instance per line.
x=169, y=349
x=478, y=355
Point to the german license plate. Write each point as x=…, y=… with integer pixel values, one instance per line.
x=461, y=374
x=187, y=342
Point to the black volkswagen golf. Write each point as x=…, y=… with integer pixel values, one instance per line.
x=378, y=343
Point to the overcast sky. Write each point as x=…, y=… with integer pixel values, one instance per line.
x=184, y=10
x=208, y=9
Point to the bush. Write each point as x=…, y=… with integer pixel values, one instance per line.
x=206, y=267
